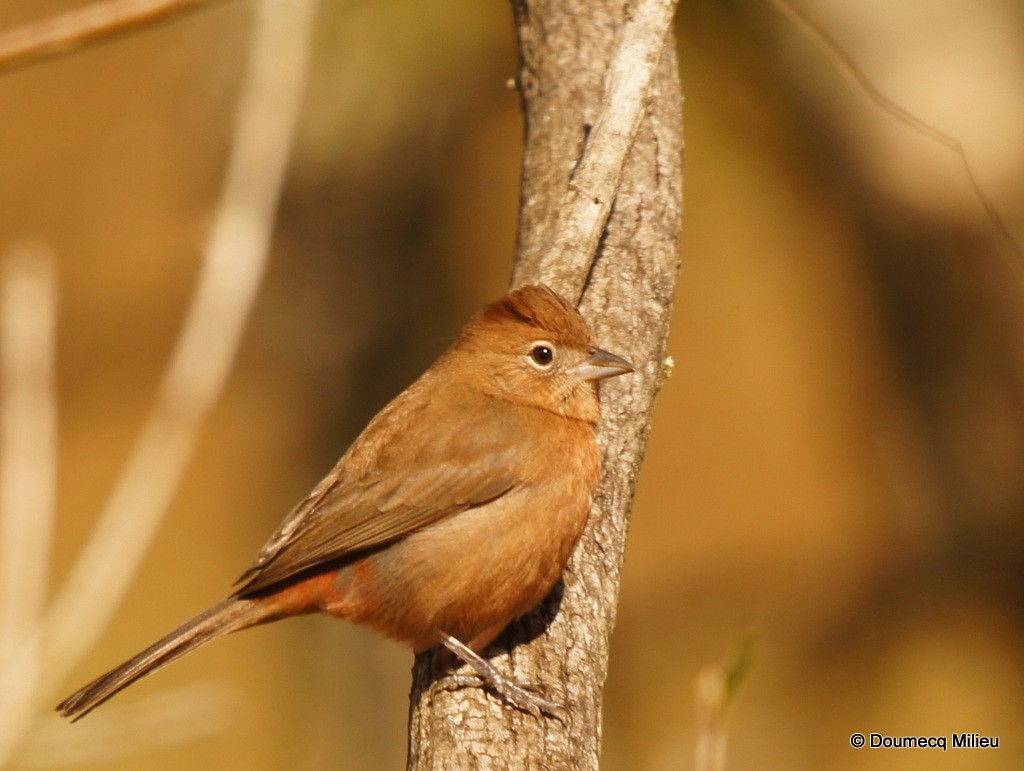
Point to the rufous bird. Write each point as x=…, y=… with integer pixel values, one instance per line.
x=450, y=516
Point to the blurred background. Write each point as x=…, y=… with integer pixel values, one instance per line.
x=835, y=469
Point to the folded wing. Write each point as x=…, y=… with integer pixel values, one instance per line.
x=406, y=488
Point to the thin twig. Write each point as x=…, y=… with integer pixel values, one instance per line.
x=233, y=264
x=853, y=71
x=28, y=443
x=709, y=698
x=28, y=455
x=66, y=32
x=716, y=690
x=588, y=201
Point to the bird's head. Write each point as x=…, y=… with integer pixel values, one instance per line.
x=533, y=347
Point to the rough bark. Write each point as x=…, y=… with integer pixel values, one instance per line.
x=585, y=65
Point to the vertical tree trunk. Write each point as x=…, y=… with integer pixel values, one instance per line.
x=600, y=216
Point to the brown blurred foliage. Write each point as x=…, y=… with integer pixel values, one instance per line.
x=836, y=464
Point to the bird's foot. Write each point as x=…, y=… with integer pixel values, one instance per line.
x=522, y=696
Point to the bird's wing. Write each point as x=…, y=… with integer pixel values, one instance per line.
x=409, y=486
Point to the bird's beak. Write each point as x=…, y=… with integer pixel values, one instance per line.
x=601, y=364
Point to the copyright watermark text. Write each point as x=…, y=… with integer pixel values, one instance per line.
x=955, y=741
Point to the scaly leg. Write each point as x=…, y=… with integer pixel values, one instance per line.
x=519, y=695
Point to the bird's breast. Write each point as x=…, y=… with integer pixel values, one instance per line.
x=490, y=564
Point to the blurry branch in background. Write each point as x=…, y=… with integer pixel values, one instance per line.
x=28, y=457
x=70, y=32
x=716, y=689
x=846, y=63
x=232, y=267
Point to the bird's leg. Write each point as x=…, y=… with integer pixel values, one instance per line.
x=519, y=695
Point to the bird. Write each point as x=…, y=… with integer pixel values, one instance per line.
x=450, y=516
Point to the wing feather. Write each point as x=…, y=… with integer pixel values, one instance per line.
x=381, y=492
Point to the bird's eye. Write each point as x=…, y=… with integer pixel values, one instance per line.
x=541, y=355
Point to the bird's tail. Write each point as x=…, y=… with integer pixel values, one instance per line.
x=231, y=615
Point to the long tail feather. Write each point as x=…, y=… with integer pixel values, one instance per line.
x=228, y=616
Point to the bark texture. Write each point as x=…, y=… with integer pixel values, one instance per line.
x=600, y=217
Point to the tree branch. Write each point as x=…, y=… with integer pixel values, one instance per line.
x=597, y=173
x=600, y=217
x=74, y=30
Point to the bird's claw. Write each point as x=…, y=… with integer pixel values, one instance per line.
x=523, y=696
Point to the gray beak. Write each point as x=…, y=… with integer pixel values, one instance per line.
x=601, y=364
